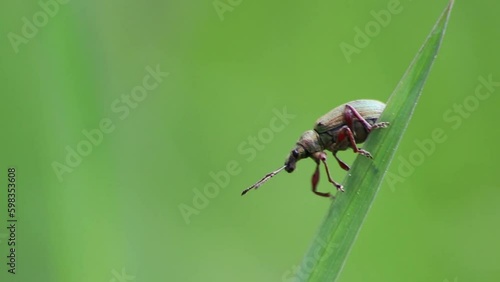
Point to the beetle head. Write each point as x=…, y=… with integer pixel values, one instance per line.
x=308, y=143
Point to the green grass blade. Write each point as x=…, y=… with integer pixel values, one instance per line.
x=330, y=248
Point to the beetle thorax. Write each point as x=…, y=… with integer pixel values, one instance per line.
x=310, y=141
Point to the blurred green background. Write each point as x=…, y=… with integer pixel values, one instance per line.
x=128, y=210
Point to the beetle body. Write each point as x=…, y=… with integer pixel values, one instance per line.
x=339, y=129
x=328, y=125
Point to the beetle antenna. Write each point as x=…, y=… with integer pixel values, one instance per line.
x=263, y=180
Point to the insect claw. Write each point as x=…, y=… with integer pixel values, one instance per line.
x=380, y=125
x=365, y=153
x=340, y=188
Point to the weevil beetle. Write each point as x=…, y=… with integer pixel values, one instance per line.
x=341, y=128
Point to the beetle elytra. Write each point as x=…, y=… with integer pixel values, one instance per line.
x=341, y=128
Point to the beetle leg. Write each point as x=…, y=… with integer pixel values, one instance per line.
x=351, y=112
x=339, y=187
x=345, y=132
x=343, y=165
x=315, y=180
x=321, y=156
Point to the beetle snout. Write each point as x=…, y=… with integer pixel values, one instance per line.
x=290, y=164
x=290, y=168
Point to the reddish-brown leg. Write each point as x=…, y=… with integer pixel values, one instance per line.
x=345, y=132
x=350, y=113
x=339, y=187
x=315, y=180
x=321, y=156
x=343, y=165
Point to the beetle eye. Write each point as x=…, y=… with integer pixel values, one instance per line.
x=295, y=153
